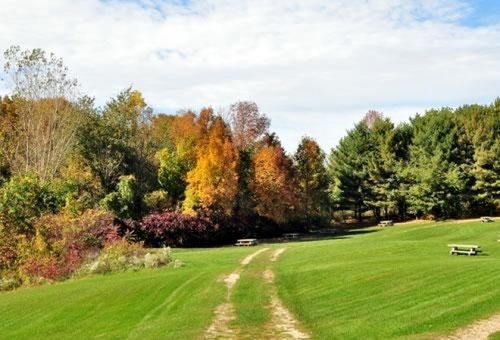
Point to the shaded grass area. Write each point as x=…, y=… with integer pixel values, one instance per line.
x=150, y=304
x=397, y=282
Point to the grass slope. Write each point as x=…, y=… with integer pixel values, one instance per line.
x=391, y=283
x=394, y=283
x=151, y=304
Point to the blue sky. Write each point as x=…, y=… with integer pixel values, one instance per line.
x=482, y=13
x=314, y=67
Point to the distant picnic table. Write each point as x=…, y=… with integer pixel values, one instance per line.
x=290, y=236
x=386, y=223
x=246, y=242
x=457, y=249
x=486, y=219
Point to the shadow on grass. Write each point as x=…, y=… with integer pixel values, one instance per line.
x=331, y=234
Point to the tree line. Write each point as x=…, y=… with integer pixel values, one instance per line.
x=444, y=163
x=228, y=166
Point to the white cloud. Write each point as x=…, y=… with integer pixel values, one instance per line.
x=313, y=66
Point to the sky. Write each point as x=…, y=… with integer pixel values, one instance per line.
x=313, y=67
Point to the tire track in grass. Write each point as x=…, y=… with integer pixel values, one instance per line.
x=283, y=324
x=139, y=327
x=479, y=330
x=250, y=257
x=225, y=313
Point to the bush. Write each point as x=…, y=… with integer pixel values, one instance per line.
x=122, y=255
x=41, y=268
x=7, y=283
x=8, y=250
x=72, y=196
x=157, y=200
x=121, y=201
x=62, y=243
x=176, y=229
x=22, y=200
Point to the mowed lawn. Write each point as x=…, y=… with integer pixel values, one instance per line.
x=398, y=282
x=150, y=304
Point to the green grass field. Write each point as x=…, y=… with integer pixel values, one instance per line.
x=398, y=282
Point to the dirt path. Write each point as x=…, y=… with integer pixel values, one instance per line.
x=250, y=257
x=283, y=324
x=277, y=253
x=479, y=330
x=224, y=313
x=219, y=329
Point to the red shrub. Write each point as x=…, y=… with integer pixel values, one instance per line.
x=41, y=267
x=63, y=242
x=172, y=228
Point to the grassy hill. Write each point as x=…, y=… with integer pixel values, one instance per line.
x=398, y=282
x=393, y=283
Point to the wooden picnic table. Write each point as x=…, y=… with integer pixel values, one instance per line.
x=457, y=249
x=246, y=242
x=290, y=236
x=386, y=223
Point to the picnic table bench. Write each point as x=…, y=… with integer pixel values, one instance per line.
x=457, y=249
x=246, y=242
x=386, y=223
x=486, y=219
x=290, y=236
x=328, y=232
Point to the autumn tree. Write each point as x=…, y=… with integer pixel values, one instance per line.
x=185, y=133
x=247, y=123
x=370, y=118
x=272, y=183
x=248, y=126
x=310, y=172
x=7, y=136
x=46, y=117
x=212, y=184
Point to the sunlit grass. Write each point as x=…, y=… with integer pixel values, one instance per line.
x=392, y=282
x=397, y=282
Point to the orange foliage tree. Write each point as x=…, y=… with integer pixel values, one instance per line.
x=213, y=183
x=272, y=183
x=180, y=137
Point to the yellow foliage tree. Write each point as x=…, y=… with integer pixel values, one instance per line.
x=213, y=183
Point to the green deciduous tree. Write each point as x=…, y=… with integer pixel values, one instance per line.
x=23, y=199
x=122, y=201
x=118, y=141
x=310, y=173
x=172, y=171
